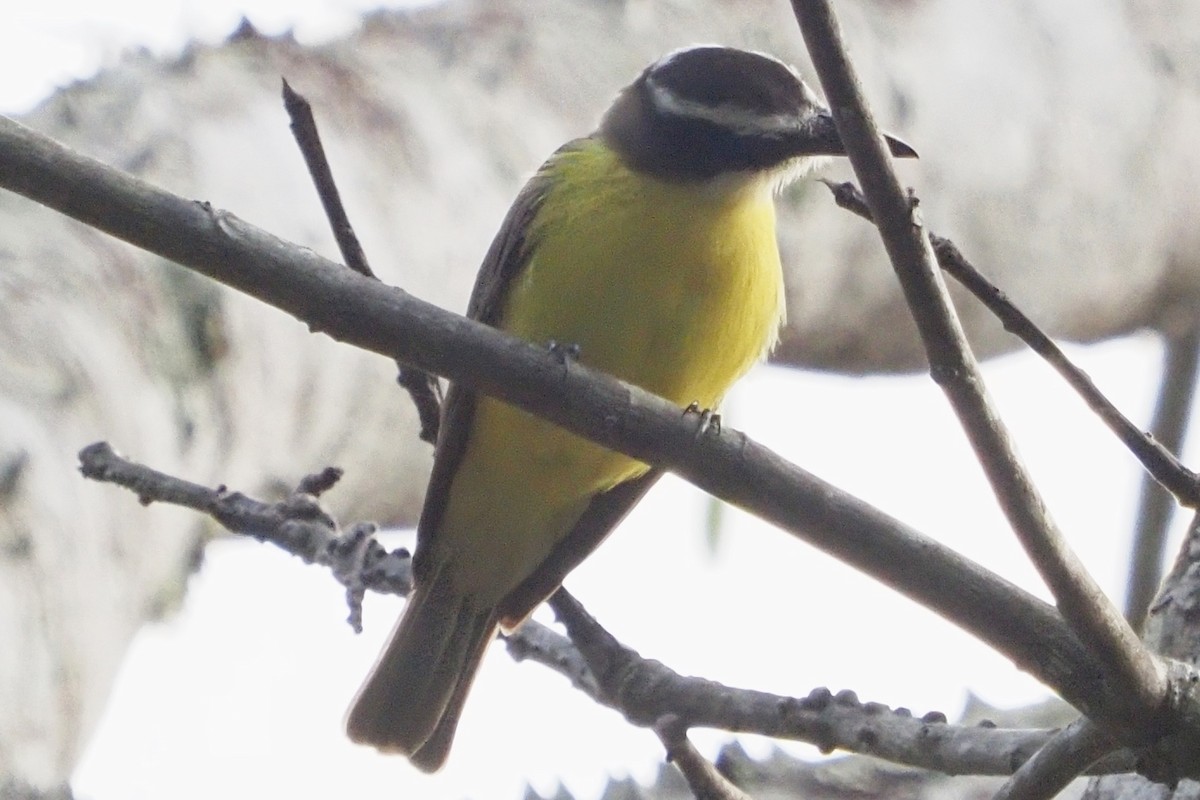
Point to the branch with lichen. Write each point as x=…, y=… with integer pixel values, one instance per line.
x=644, y=691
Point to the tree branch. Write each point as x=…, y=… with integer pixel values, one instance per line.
x=1065, y=757
x=297, y=525
x=702, y=777
x=300, y=526
x=725, y=463
x=1125, y=661
x=422, y=387
x=646, y=692
x=1156, y=453
x=1176, y=392
x=308, y=139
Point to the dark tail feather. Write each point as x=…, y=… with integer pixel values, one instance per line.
x=413, y=697
x=431, y=755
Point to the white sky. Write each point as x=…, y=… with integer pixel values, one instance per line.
x=242, y=694
x=53, y=42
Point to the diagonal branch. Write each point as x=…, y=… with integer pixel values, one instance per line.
x=646, y=692
x=1176, y=395
x=308, y=139
x=422, y=387
x=1065, y=757
x=724, y=463
x=297, y=525
x=1156, y=453
x=1125, y=661
x=702, y=777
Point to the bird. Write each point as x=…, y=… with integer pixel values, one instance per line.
x=649, y=248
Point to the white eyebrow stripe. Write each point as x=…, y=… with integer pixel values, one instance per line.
x=735, y=118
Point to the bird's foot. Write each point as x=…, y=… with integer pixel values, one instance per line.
x=709, y=422
x=564, y=351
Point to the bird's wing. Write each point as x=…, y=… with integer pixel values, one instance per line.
x=601, y=517
x=505, y=259
x=508, y=255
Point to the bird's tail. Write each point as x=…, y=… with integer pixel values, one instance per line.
x=411, y=701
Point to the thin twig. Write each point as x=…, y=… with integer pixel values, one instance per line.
x=702, y=777
x=1061, y=760
x=422, y=387
x=1156, y=453
x=426, y=393
x=298, y=524
x=645, y=691
x=1177, y=389
x=544, y=645
x=1127, y=664
x=1157, y=459
x=641, y=689
x=308, y=138
x=621, y=417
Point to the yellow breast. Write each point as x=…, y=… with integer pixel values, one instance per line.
x=671, y=287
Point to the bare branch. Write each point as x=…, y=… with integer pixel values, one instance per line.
x=1156, y=456
x=1155, y=453
x=1181, y=363
x=646, y=691
x=308, y=138
x=426, y=394
x=1062, y=759
x=542, y=645
x=621, y=417
x=1171, y=629
x=1126, y=662
x=422, y=387
x=702, y=777
x=297, y=525
x=643, y=690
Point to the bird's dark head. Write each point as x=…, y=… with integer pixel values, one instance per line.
x=708, y=111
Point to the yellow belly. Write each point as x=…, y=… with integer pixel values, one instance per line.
x=674, y=289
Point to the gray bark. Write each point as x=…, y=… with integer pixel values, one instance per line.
x=1059, y=155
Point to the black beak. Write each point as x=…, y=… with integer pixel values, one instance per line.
x=821, y=139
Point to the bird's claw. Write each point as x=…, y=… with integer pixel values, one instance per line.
x=709, y=422
x=564, y=352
